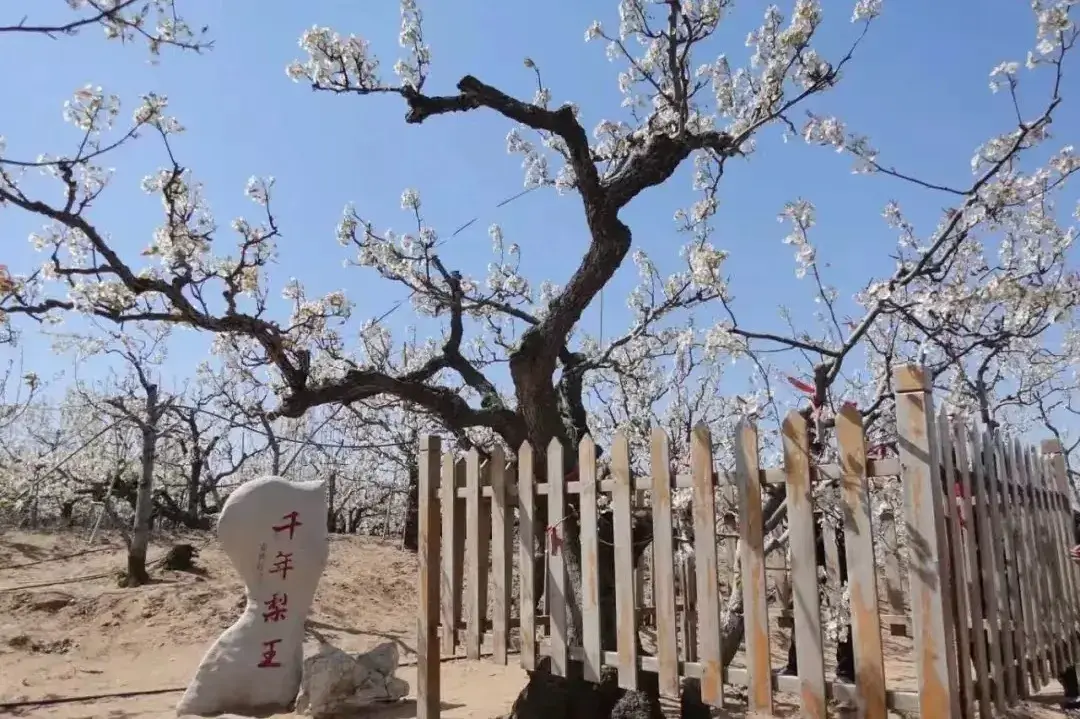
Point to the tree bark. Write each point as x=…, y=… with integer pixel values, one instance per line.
x=144, y=499
x=411, y=533
x=331, y=500
x=546, y=696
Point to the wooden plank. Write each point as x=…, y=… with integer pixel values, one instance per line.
x=663, y=578
x=1056, y=559
x=809, y=647
x=862, y=582
x=729, y=503
x=590, y=561
x=458, y=550
x=825, y=472
x=1030, y=599
x=556, y=564
x=1012, y=584
x=1054, y=462
x=755, y=601
x=974, y=585
x=988, y=566
x=1043, y=542
x=477, y=541
x=955, y=544
x=1021, y=593
x=1041, y=569
x=428, y=689
x=894, y=583
x=707, y=584
x=502, y=525
x=527, y=555
x=995, y=487
x=453, y=525
x=1063, y=541
x=688, y=616
x=640, y=567
x=625, y=614
x=929, y=576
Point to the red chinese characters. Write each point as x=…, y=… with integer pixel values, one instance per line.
x=282, y=564
x=290, y=525
x=269, y=655
x=276, y=607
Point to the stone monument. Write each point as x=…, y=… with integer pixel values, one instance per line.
x=274, y=533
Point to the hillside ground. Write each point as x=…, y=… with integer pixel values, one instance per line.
x=61, y=638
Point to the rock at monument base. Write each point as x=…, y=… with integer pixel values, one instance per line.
x=274, y=533
x=336, y=682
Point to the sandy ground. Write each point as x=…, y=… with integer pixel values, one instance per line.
x=80, y=638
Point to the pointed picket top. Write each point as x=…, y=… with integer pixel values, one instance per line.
x=702, y=433
x=497, y=458
x=659, y=434
x=620, y=455
x=746, y=434
x=660, y=451
x=586, y=457
x=472, y=458
x=554, y=454
x=525, y=451
x=745, y=429
x=794, y=430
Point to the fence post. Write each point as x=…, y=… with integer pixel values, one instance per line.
x=428, y=688
x=930, y=578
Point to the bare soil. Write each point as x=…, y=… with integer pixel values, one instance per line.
x=68, y=630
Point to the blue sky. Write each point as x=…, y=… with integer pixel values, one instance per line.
x=918, y=87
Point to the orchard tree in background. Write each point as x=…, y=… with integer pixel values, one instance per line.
x=135, y=397
x=974, y=299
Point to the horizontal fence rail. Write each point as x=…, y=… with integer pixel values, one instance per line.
x=973, y=568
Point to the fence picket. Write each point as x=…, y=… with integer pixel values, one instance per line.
x=997, y=549
x=988, y=568
x=859, y=547
x=477, y=539
x=590, y=562
x=809, y=648
x=688, y=616
x=1037, y=640
x=556, y=565
x=929, y=577
x=625, y=614
x=1012, y=588
x=663, y=578
x=752, y=541
x=707, y=582
x=955, y=540
x=1054, y=460
x=1057, y=560
x=428, y=687
x=453, y=528
x=1022, y=610
x=502, y=525
x=974, y=570
x=894, y=575
x=526, y=502
x=1047, y=544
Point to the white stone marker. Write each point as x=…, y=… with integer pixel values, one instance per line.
x=274, y=533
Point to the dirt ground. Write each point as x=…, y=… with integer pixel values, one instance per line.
x=61, y=638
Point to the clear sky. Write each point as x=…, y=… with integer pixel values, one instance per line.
x=918, y=86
